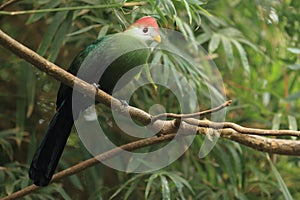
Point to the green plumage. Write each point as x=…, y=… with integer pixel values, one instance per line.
x=103, y=62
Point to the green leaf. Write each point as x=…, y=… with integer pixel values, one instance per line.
x=179, y=183
x=226, y=163
x=60, y=37
x=294, y=50
x=149, y=184
x=176, y=179
x=214, y=42
x=243, y=55
x=21, y=103
x=37, y=16
x=237, y=163
x=283, y=188
x=202, y=38
x=6, y=147
x=188, y=10
x=179, y=23
x=63, y=194
x=276, y=121
x=132, y=187
x=50, y=32
x=165, y=189
x=294, y=66
x=292, y=123
x=103, y=31
x=31, y=88
x=294, y=96
x=124, y=185
x=228, y=52
x=83, y=30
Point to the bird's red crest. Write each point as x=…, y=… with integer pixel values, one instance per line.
x=146, y=21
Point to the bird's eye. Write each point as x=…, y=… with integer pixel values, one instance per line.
x=145, y=30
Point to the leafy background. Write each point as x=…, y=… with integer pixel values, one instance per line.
x=255, y=45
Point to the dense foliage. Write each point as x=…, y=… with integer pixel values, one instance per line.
x=255, y=45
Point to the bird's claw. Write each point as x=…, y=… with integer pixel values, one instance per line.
x=96, y=85
x=159, y=134
x=124, y=105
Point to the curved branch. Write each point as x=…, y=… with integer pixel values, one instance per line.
x=241, y=129
x=192, y=115
x=115, y=5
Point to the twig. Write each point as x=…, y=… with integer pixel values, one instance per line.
x=191, y=115
x=22, y=12
x=241, y=129
x=8, y=3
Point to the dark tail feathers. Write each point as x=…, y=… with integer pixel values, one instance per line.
x=47, y=155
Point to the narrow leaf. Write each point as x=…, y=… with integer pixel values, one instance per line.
x=165, y=189
x=294, y=66
x=228, y=52
x=37, y=16
x=149, y=184
x=294, y=96
x=214, y=43
x=83, y=30
x=294, y=50
x=60, y=37
x=283, y=188
x=276, y=121
x=292, y=123
x=243, y=55
x=188, y=10
x=50, y=32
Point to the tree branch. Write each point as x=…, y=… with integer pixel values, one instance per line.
x=241, y=129
x=192, y=115
x=8, y=3
x=114, y=5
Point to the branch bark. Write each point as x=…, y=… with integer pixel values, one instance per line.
x=168, y=128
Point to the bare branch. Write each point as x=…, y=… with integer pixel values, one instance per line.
x=115, y=5
x=8, y=3
x=241, y=129
x=192, y=115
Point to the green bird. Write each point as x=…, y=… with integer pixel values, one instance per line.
x=103, y=62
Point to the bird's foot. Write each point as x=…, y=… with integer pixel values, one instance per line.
x=96, y=85
x=159, y=134
x=124, y=105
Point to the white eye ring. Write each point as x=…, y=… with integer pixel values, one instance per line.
x=145, y=30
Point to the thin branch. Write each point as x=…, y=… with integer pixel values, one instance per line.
x=191, y=115
x=241, y=129
x=8, y=3
x=116, y=5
